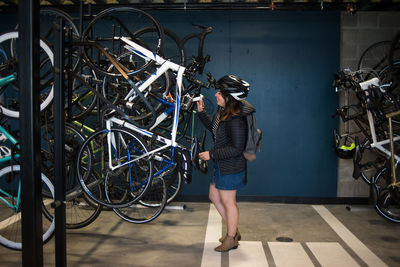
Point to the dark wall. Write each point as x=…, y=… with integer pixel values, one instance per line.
x=289, y=59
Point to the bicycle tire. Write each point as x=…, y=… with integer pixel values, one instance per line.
x=375, y=56
x=174, y=186
x=80, y=211
x=83, y=100
x=172, y=47
x=11, y=230
x=115, y=89
x=150, y=206
x=121, y=190
x=134, y=19
x=394, y=52
x=387, y=76
x=172, y=51
x=366, y=161
x=48, y=96
x=51, y=15
x=170, y=173
x=387, y=204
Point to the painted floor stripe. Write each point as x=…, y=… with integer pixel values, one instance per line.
x=289, y=254
x=249, y=253
x=331, y=254
x=349, y=238
x=213, y=232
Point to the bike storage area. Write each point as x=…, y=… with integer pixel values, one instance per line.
x=99, y=129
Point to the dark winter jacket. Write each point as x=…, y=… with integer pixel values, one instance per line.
x=230, y=139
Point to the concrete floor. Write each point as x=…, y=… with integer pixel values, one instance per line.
x=179, y=238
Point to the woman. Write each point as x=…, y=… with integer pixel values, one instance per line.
x=229, y=130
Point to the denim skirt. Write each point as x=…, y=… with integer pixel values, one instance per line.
x=231, y=181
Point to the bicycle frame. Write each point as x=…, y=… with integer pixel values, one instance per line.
x=8, y=79
x=375, y=143
x=164, y=66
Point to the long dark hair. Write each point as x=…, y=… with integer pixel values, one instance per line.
x=232, y=108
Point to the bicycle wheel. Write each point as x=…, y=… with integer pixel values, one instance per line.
x=394, y=53
x=394, y=59
x=174, y=185
x=106, y=29
x=116, y=89
x=49, y=16
x=375, y=56
x=367, y=162
x=170, y=173
x=10, y=104
x=150, y=205
x=80, y=210
x=387, y=197
x=172, y=48
x=387, y=76
x=10, y=215
x=83, y=99
x=133, y=172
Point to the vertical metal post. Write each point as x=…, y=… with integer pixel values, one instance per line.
x=29, y=85
x=59, y=142
x=69, y=79
x=392, y=151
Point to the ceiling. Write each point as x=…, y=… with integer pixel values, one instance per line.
x=349, y=5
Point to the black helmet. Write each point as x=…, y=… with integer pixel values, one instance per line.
x=234, y=86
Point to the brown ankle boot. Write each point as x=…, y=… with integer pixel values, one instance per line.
x=237, y=233
x=229, y=243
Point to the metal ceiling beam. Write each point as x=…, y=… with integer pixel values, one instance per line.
x=9, y=2
x=341, y=5
x=54, y=2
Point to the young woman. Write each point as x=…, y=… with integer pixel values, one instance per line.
x=229, y=129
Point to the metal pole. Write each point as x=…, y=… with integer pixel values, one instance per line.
x=392, y=151
x=29, y=57
x=59, y=142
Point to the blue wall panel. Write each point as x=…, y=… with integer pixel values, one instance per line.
x=289, y=59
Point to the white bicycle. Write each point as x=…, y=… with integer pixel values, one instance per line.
x=129, y=156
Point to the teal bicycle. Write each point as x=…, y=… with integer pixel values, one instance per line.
x=10, y=195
